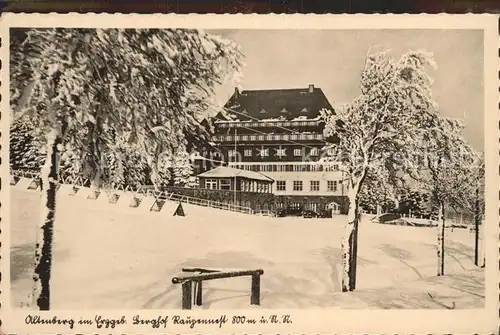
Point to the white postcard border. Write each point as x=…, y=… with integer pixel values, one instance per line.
x=481, y=321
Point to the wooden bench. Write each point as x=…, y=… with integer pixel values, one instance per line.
x=203, y=274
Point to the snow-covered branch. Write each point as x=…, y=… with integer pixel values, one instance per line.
x=145, y=88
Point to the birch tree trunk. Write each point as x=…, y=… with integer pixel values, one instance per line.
x=354, y=251
x=440, y=240
x=43, y=247
x=482, y=249
x=349, y=246
x=477, y=222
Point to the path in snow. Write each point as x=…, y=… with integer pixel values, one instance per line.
x=109, y=257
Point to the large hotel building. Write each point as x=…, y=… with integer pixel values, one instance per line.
x=279, y=134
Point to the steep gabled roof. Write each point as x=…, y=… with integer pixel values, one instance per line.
x=286, y=103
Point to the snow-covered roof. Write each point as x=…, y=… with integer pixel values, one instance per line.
x=305, y=102
x=305, y=118
x=228, y=172
x=201, y=158
x=276, y=119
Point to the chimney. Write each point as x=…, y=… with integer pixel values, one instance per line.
x=236, y=92
x=311, y=88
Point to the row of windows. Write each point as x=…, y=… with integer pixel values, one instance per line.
x=264, y=152
x=250, y=186
x=311, y=206
x=268, y=124
x=298, y=185
x=287, y=167
x=245, y=185
x=268, y=137
x=218, y=184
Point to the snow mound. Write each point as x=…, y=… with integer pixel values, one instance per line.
x=415, y=222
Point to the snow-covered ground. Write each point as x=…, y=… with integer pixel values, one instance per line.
x=108, y=257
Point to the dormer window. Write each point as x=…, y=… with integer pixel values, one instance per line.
x=304, y=110
x=284, y=110
x=263, y=111
x=244, y=111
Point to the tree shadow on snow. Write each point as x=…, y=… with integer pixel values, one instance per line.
x=470, y=284
x=160, y=299
x=433, y=293
x=292, y=285
x=461, y=253
x=401, y=255
x=460, y=249
x=22, y=262
x=22, y=259
x=332, y=257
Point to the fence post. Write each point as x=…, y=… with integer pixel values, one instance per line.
x=199, y=290
x=187, y=290
x=255, y=296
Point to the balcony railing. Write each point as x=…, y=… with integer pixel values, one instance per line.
x=208, y=203
x=267, y=123
x=268, y=137
x=210, y=193
x=287, y=167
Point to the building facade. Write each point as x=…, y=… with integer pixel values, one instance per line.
x=279, y=133
x=239, y=187
x=232, y=179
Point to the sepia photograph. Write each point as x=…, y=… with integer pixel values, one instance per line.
x=239, y=169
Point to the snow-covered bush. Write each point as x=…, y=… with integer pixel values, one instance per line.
x=418, y=203
x=25, y=153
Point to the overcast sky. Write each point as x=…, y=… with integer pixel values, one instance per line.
x=333, y=59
